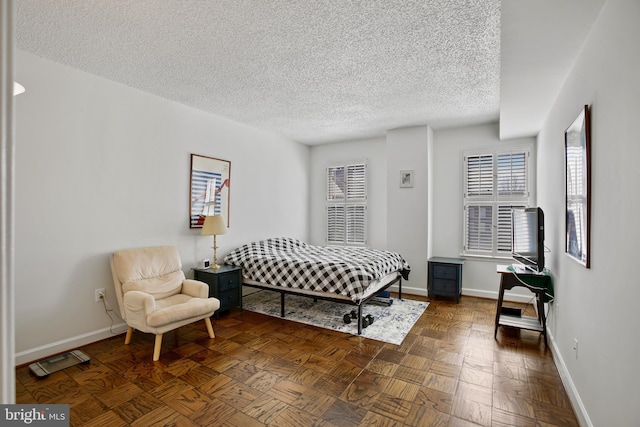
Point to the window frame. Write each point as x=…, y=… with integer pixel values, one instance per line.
x=495, y=200
x=352, y=200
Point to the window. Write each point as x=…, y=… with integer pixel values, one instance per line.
x=347, y=204
x=496, y=181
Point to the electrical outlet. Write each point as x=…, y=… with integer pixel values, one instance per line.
x=575, y=346
x=99, y=294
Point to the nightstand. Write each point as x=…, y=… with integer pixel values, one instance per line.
x=445, y=277
x=225, y=283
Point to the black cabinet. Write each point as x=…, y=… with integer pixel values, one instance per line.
x=445, y=277
x=225, y=283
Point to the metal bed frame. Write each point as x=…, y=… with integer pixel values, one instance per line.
x=359, y=303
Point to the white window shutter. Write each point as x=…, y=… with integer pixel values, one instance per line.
x=356, y=182
x=335, y=224
x=504, y=228
x=479, y=176
x=336, y=184
x=347, y=204
x=479, y=233
x=496, y=181
x=512, y=175
x=356, y=224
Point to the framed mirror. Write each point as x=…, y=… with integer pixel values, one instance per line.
x=209, y=189
x=577, y=142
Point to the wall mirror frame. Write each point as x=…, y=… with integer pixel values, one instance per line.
x=577, y=143
x=209, y=189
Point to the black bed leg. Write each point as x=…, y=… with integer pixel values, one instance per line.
x=281, y=304
x=400, y=289
x=359, y=319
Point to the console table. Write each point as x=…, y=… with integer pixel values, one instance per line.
x=538, y=283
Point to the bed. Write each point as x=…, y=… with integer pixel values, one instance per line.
x=349, y=275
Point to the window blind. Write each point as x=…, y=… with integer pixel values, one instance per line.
x=479, y=236
x=356, y=224
x=503, y=231
x=335, y=223
x=496, y=181
x=512, y=175
x=336, y=183
x=347, y=204
x=356, y=182
x=479, y=176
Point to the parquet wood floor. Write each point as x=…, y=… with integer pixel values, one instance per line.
x=259, y=370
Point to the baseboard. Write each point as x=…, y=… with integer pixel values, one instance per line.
x=569, y=386
x=494, y=295
x=409, y=290
x=469, y=292
x=68, y=344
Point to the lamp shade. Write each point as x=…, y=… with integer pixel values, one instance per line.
x=213, y=226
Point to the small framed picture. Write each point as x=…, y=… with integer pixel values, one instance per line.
x=406, y=178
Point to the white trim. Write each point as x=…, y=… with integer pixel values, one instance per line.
x=410, y=291
x=569, y=386
x=494, y=295
x=468, y=292
x=67, y=344
x=7, y=206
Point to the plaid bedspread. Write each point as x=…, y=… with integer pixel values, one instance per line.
x=294, y=264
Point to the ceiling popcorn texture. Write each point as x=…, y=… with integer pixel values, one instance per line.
x=311, y=71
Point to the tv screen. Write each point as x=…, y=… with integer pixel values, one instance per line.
x=527, y=245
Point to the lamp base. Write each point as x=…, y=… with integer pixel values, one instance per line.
x=214, y=267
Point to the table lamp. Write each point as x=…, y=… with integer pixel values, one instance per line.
x=213, y=226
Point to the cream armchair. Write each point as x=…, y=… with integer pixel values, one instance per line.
x=154, y=296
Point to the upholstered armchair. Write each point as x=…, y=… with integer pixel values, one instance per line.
x=155, y=297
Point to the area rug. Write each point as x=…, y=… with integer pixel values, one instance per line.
x=391, y=323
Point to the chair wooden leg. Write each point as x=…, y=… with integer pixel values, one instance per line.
x=156, y=348
x=207, y=320
x=127, y=338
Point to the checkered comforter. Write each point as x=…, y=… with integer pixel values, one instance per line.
x=294, y=264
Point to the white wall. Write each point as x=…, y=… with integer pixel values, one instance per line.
x=407, y=208
x=397, y=216
x=373, y=152
x=598, y=306
x=101, y=167
x=479, y=277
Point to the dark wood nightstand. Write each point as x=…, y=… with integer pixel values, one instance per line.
x=225, y=283
x=445, y=277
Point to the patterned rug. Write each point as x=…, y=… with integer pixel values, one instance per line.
x=391, y=323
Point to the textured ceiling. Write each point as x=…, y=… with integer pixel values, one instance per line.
x=311, y=71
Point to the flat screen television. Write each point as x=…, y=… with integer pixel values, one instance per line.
x=527, y=233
